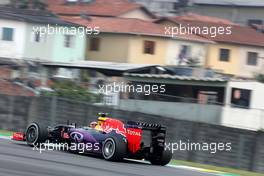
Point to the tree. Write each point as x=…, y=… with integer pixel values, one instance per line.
x=28, y=4
x=260, y=77
x=69, y=89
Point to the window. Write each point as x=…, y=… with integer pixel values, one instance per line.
x=224, y=55
x=207, y=97
x=94, y=44
x=240, y=98
x=68, y=41
x=185, y=51
x=184, y=54
x=37, y=36
x=7, y=34
x=254, y=21
x=149, y=47
x=252, y=58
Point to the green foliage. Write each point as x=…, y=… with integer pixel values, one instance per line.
x=260, y=78
x=73, y=91
x=25, y=4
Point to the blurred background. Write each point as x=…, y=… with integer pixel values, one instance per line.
x=213, y=85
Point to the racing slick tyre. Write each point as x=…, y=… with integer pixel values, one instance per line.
x=36, y=134
x=114, y=149
x=163, y=160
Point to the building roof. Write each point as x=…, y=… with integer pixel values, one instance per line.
x=243, y=3
x=241, y=35
x=129, y=26
x=14, y=88
x=95, y=8
x=176, y=77
x=32, y=16
x=197, y=17
x=108, y=68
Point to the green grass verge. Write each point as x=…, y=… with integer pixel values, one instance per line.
x=221, y=169
x=6, y=133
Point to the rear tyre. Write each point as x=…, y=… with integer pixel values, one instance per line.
x=114, y=149
x=163, y=160
x=36, y=134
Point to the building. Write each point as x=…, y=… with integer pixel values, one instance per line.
x=138, y=41
x=238, y=52
x=213, y=100
x=103, y=8
x=164, y=7
x=243, y=107
x=26, y=33
x=238, y=11
x=4, y=2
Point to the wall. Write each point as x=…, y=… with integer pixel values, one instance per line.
x=252, y=118
x=138, y=14
x=247, y=146
x=136, y=50
x=184, y=111
x=231, y=67
x=198, y=51
x=237, y=64
x=248, y=70
x=237, y=15
x=128, y=49
x=38, y=50
x=4, y=2
x=113, y=47
x=15, y=48
x=71, y=54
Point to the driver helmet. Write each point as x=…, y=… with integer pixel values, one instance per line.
x=93, y=124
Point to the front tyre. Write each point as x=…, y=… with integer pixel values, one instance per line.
x=114, y=149
x=162, y=160
x=36, y=134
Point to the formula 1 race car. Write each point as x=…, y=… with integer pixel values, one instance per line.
x=112, y=139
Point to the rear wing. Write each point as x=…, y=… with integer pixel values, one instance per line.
x=158, y=133
x=146, y=126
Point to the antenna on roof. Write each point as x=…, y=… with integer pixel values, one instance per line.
x=85, y=16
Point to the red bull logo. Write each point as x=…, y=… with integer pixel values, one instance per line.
x=132, y=135
x=114, y=124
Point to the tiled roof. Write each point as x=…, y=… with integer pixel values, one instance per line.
x=31, y=16
x=5, y=72
x=242, y=35
x=129, y=26
x=10, y=88
x=95, y=8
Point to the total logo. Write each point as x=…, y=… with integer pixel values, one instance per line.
x=134, y=133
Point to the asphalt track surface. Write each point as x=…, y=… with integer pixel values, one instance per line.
x=17, y=159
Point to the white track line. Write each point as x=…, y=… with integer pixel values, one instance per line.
x=5, y=137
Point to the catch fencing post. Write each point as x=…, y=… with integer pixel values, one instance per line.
x=53, y=109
